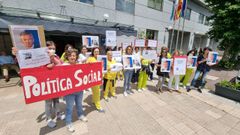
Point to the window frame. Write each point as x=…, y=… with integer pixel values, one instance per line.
x=162, y=1
x=124, y=5
x=201, y=21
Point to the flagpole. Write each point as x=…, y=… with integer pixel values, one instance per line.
x=173, y=28
x=172, y=36
x=183, y=25
x=178, y=32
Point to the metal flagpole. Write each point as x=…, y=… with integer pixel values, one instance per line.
x=170, y=49
x=178, y=32
x=173, y=28
x=183, y=24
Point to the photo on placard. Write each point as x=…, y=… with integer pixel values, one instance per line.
x=166, y=65
x=128, y=62
x=117, y=56
x=192, y=62
x=27, y=37
x=212, y=58
x=90, y=41
x=103, y=59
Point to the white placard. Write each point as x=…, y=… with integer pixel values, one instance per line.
x=150, y=54
x=212, y=58
x=140, y=43
x=117, y=56
x=111, y=39
x=90, y=41
x=128, y=62
x=33, y=57
x=136, y=62
x=103, y=59
x=192, y=62
x=166, y=65
x=116, y=67
x=180, y=64
x=152, y=43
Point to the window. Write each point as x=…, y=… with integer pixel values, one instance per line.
x=156, y=4
x=200, y=18
x=127, y=6
x=151, y=34
x=188, y=13
x=206, y=21
x=85, y=1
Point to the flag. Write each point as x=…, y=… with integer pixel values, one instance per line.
x=178, y=9
x=184, y=7
x=173, y=10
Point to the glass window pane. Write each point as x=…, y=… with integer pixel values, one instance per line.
x=125, y=6
x=200, y=18
x=151, y=3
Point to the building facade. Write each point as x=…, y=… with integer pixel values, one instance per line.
x=150, y=18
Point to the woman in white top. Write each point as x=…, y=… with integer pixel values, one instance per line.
x=83, y=55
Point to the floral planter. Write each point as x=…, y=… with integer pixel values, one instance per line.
x=227, y=92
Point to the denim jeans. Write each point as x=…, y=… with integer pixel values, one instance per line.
x=196, y=76
x=70, y=99
x=127, y=79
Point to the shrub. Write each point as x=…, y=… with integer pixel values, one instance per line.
x=225, y=83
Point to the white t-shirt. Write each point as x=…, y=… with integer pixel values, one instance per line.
x=81, y=58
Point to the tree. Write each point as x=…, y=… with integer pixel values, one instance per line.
x=225, y=23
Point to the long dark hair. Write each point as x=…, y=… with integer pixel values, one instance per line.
x=193, y=50
x=127, y=49
x=92, y=54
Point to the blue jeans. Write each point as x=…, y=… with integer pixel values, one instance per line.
x=127, y=79
x=196, y=76
x=77, y=97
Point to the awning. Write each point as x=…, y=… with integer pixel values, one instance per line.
x=66, y=27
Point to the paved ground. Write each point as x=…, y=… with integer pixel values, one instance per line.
x=138, y=114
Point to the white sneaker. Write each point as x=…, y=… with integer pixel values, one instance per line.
x=83, y=118
x=61, y=116
x=51, y=123
x=143, y=89
x=125, y=93
x=70, y=128
x=139, y=90
x=130, y=92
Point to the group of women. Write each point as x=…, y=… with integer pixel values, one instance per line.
x=72, y=57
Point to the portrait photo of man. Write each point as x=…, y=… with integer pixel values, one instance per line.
x=28, y=40
x=26, y=37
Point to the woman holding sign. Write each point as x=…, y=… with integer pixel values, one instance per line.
x=128, y=74
x=110, y=77
x=191, y=65
x=71, y=57
x=95, y=89
x=143, y=74
x=172, y=76
x=161, y=75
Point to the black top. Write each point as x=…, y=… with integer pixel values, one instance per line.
x=203, y=67
x=159, y=73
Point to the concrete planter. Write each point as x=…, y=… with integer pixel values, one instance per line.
x=227, y=92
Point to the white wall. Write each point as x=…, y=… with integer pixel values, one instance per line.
x=144, y=17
